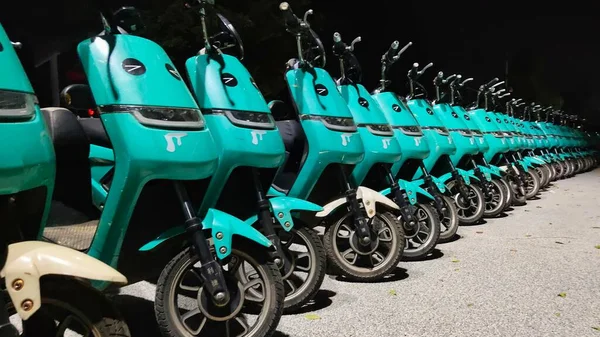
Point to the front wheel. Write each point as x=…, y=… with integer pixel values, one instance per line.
x=518, y=197
x=448, y=220
x=532, y=184
x=71, y=308
x=543, y=173
x=354, y=260
x=423, y=236
x=184, y=309
x=496, y=200
x=304, y=249
x=471, y=209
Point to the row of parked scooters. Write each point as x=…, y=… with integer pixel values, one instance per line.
x=220, y=197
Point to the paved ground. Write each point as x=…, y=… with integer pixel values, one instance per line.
x=535, y=272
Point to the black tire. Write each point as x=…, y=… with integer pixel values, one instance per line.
x=496, y=202
x=544, y=175
x=63, y=296
x=432, y=239
x=518, y=198
x=168, y=318
x=475, y=194
x=315, y=275
x=552, y=172
x=533, y=184
x=509, y=194
x=341, y=266
x=448, y=221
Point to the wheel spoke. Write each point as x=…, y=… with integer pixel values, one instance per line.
x=348, y=252
x=301, y=257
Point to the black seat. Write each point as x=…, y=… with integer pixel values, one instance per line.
x=295, y=144
x=95, y=131
x=72, y=148
x=79, y=99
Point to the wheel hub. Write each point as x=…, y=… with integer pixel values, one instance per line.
x=227, y=311
x=362, y=248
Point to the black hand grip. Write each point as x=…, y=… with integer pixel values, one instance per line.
x=439, y=79
x=389, y=55
x=492, y=82
x=413, y=72
x=291, y=20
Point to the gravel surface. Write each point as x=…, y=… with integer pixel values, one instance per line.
x=535, y=272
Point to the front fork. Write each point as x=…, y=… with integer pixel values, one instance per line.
x=515, y=168
x=265, y=219
x=210, y=270
x=406, y=209
x=361, y=225
x=432, y=188
x=462, y=186
x=485, y=185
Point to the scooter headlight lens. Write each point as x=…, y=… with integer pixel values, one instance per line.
x=442, y=131
x=412, y=130
x=465, y=132
x=342, y=124
x=160, y=117
x=249, y=119
x=17, y=105
x=380, y=129
x=477, y=133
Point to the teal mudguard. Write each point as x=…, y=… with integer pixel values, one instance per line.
x=489, y=171
x=283, y=207
x=412, y=188
x=466, y=175
x=219, y=223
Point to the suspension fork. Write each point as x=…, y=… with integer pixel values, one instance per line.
x=210, y=269
x=485, y=185
x=432, y=188
x=361, y=224
x=462, y=188
x=406, y=209
x=265, y=219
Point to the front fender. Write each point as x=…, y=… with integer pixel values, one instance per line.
x=440, y=183
x=524, y=164
x=489, y=171
x=274, y=193
x=467, y=175
x=412, y=188
x=30, y=260
x=283, y=208
x=223, y=227
x=536, y=160
x=368, y=197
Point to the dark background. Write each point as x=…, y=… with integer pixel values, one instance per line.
x=547, y=52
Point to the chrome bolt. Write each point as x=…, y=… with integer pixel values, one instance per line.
x=27, y=305
x=287, y=224
x=219, y=235
x=220, y=296
x=280, y=215
x=223, y=250
x=18, y=284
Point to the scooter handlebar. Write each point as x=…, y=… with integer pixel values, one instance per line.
x=389, y=55
x=291, y=20
x=492, y=82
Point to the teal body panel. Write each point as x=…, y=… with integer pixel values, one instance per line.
x=440, y=142
x=481, y=142
x=491, y=133
x=406, y=129
x=102, y=160
x=325, y=146
x=141, y=153
x=378, y=148
x=514, y=142
x=217, y=222
x=237, y=146
x=413, y=190
x=459, y=132
x=27, y=159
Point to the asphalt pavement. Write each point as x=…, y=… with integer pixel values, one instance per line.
x=533, y=272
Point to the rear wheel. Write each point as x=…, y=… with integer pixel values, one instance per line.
x=351, y=259
x=496, y=201
x=184, y=309
x=71, y=308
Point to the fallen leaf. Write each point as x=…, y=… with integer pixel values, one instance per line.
x=596, y=227
x=563, y=295
x=557, y=314
x=479, y=232
x=527, y=235
x=560, y=243
x=550, y=223
x=538, y=206
x=392, y=292
x=513, y=250
x=526, y=210
x=596, y=328
x=312, y=317
x=457, y=269
x=454, y=260
x=469, y=305
x=597, y=246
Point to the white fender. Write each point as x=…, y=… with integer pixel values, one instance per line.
x=28, y=261
x=367, y=196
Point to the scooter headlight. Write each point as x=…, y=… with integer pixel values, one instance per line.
x=17, y=105
x=160, y=117
x=380, y=129
x=465, y=132
x=442, y=131
x=411, y=130
x=342, y=124
x=477, y=133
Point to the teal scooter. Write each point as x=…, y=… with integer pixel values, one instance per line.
x=414, y=150
x=489, y=146
x=467, y=147
x=40, y=278
x=468, y=198
x=162, y=159
x=419, y=219
x=362, y=236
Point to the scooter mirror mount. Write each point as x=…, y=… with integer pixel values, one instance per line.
x=310, y=48
x=387, y=60
x=350, y=69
